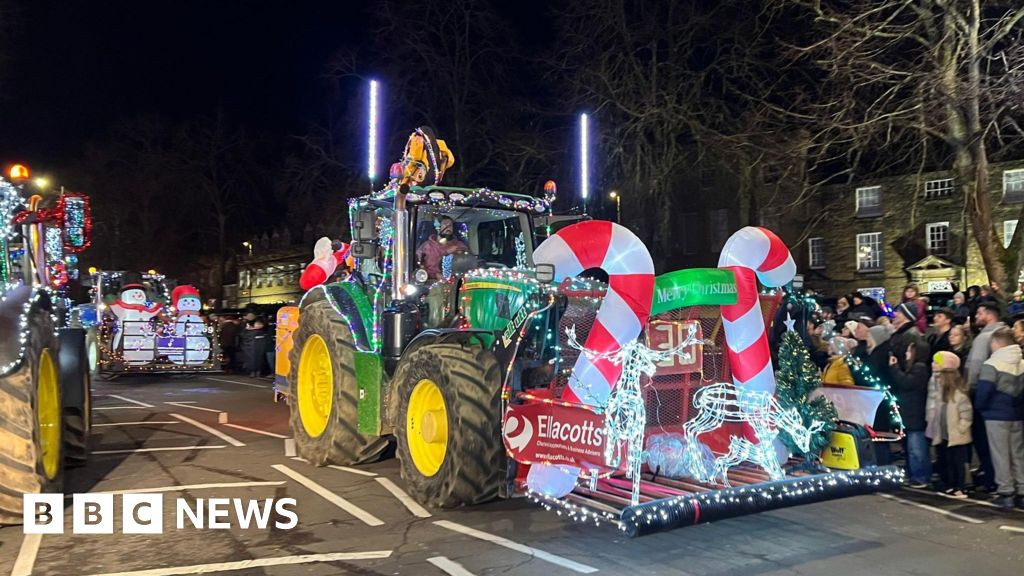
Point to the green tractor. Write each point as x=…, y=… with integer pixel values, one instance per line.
x=44, y=376
x=411, y=344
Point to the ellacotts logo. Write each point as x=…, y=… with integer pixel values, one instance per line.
x=144, y=513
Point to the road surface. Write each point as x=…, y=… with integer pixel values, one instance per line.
x=223, y=437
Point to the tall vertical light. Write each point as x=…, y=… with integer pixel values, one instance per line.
x=584, y=159
x=371, y=155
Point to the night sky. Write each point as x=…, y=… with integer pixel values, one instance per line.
x=74, y=68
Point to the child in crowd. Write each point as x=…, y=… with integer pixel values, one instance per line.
x=950, y=415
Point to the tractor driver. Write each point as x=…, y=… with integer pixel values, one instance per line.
x=439, y=245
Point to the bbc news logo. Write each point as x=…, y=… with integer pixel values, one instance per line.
x=144, y=513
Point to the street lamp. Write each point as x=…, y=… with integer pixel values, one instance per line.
x=249, y=246
x=618, y=205
x=41, y=183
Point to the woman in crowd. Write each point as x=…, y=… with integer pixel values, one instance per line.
x=842, y=308
x=837, y=372
x=910, y=384
x=959, y=344
x=961, y=311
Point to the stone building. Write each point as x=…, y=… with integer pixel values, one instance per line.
x=269, y=267
x=884, y=232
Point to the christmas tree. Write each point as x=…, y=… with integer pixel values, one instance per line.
x=795, y=379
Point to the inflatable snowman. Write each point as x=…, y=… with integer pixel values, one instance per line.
x=190, y=326
x=135, y=338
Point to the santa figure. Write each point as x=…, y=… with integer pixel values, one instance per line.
x=135, y=335
x=327, y=256
x=190, y=326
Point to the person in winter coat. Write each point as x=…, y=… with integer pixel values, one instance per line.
x=906, y=333
x=986, y=319
x=960, y=344
x=837, y=372
x=949, y=421
x=910, y=384
x=842, y=310
x=254, y=341
x=1000, y=399
x=961, y=311
x=941, y=325
x=863, y=307
x=919, y=306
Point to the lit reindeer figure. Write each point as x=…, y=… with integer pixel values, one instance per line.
x=720, y=403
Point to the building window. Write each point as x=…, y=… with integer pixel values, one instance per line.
x=936, y=238
x=869, y=252
x=938, y=188
x=816, y=253
x=1009, y=228
x=1013, y=186
x=869, y=201
x=719, y=222
x=691, y=232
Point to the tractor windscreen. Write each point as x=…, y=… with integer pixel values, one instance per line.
x=495, y=237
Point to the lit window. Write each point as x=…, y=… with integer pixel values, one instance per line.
x=816, y=252
x=869, y=201
x=937, y=238
x=938, y=188
x=1009, y=228
x=719, y=222
x=869, y=252
x=1013, y=186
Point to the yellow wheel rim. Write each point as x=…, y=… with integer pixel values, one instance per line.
x=426, y=427
x=316, y=386
x=48, y=411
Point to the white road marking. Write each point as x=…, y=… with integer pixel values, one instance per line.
x=539, y=554
x=331, y=497
x=185, y=402
x=191, y=487
x=137, y=423
x=289, y=447
x=254, y=563
x=352, y=470
x=222, y=418
x=229, y=439
x=934, y=509
x=1012, y=529
x=964, y=500
x=342, y=468
x=404, y=498
x=255, y=431
x=116, y=407
x=449, y=566
x=130, y=401
x=234, y=382
x=183, y=405
x=167, y=449
x=26, y=560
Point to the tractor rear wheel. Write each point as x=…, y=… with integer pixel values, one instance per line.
x=448, y=423
x=31, y=423
x=324, y=406
x=76, y=393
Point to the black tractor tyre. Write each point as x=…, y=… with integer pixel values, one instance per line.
x=21, y=457
x=340, y=443
x=470, y=383
x=76, y=393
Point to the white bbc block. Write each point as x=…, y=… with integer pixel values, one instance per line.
x=93, y=514
x=43, y=513
x=142, y=514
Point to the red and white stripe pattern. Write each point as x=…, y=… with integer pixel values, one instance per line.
x=624, y=311
x=325, y=262
x=752, y=251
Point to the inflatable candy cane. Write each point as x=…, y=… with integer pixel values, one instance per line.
x=624, y=311
x=751, y=251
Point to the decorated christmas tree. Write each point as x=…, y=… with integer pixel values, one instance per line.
x=795, y=379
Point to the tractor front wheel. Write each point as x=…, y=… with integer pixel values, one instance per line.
x=448, y=399
x=324, y=404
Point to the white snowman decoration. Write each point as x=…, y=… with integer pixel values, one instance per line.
x=190, y=326
x=135, y=338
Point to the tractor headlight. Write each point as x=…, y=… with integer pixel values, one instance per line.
x=545, y=273
x=420, y=276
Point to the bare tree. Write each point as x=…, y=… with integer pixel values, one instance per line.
x=933, y=81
